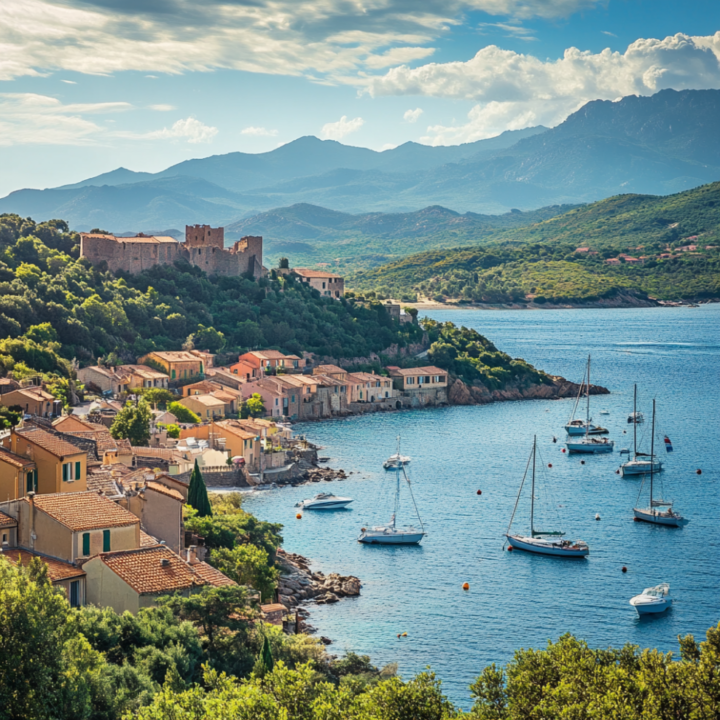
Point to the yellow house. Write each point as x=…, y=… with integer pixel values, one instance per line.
x=239, y=441
x=61, y=467
x=159, y=508
x=206, y=407
x=179, y=365
x=421, y=378
x=18, y=475
x=33, y=400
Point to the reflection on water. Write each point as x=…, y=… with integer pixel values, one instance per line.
x=515, y=599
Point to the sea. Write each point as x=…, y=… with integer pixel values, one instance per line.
x=466, y=470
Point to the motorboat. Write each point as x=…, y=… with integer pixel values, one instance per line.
x=659, y=512
x=391, y=534
x=636, y=417
x=324, y=501
x=542, y=542
x=642, y=463
x=587, y=444
x=396, y=461
x=604, y=412
x=652, y=600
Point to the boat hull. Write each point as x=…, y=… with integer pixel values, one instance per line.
x=546, y=548
x=651, y=515
x=589, y=448
x=337, y=505
x=389, y=537
x=652, y=608
x=578, y=430
x=640, y=468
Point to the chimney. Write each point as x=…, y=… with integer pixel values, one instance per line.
x=191, y=555
x=33, y=536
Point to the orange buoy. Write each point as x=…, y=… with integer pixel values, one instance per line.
x=479, y=492
x=398, y=634
x=549, y=464
x=466, y=586
x=624, y=569
x=404, y=634
x=563, y=450
x=363, y=529
x=299, y=516
x=510, y=547
x=698, y=471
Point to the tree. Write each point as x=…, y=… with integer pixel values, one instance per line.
x=264, y=664
x=207, y=338
x=197, y=493
x=252, y=407
x=183, y=414
x=156, y=396
x=133, y=423
x=247, y=565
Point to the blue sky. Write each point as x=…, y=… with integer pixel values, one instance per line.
x=90, y=85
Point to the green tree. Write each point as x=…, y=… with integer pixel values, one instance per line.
x=264, y=663
x=207, y=338
x=133, y=423
x=183, y=414
x=252, y=407
x=197, y=493
x=247, y=565
x=156, y=396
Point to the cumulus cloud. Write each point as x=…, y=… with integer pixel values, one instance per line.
x=341, y=128
x=162, y=107
x=514, y=90
x=330, y=38
x=188, y=129
x=258, y=132
x=29, y=118
x=412, y=116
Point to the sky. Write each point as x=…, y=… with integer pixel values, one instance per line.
x=87, y=86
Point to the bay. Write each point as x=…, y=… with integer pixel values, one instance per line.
x=518, y=600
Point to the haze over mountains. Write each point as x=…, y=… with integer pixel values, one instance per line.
x=658, y=145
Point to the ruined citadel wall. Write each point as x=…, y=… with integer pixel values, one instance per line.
x=204, y=236
x=132, y=257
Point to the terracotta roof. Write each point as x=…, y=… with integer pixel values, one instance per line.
x=147, y=540
x=84, y=511
x=7, y=521
x=75, y=419
x=145, y=239
x=143, y=371
x=102, y=481
x=175, y=356
x=57, y=569
x=306, y=272
x=326, y=369
x=231, y=426
x=52, y=443
x=164, y=490
x=211, y=575
x=273, y=607
x=106, y=371
x=172, y=478
x=428, y=370
x=143, y=570
x=207, y=400
x=17, y=461
x=265, y=355
x=34, y=393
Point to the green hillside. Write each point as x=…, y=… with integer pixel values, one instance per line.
x=541, y=260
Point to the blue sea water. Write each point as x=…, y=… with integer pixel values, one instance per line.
x=517, y=600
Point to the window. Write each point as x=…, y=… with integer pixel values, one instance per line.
x=292, y=398
x=31, y=481
x=106, y=541
x=78, y=470
x=86, y=544
x=75, y=593
x=67, y=472
x=4, y=538
x=173, y=374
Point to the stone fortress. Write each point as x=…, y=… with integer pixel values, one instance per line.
x=204, y=247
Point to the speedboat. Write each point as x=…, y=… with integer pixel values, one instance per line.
x=396, y=461
x=604, y=412
x=590, y=445
x=325, y=501
x=652, y=600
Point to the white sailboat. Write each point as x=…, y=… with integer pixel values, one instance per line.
x=576, y=427
x=641, y=463
x=589, y=444
x=660, y=512
x=542, y=542
x=392, y=534
x=395, y=461
x=652, y=600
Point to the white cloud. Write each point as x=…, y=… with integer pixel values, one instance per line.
x=69, y=82
x=331, y=38
x=607, y=32
x=163, y=108
x=258, y=131
x=514, y=90
x=341, y=128
x=412, y=116
x=191, y=129
x=28, y=118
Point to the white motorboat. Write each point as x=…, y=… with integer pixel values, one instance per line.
x=542, y=542
x=391, y=534
x=396, y=461
x=587, y=444
x=636, y=417
x=652, y=600
x=642, y=463
x=660, y=512
x=604, y=412
x=324, y=501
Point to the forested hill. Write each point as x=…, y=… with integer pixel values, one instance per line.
x=674, y=238
x=55, y=307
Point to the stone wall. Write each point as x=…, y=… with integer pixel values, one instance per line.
x=132, y=257
x=223, y=479
x=204, y=236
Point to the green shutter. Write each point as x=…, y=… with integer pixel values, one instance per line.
x=29, y=482
x=78, y=470
x=173, y=374
x=86, y=543
x=106, y=541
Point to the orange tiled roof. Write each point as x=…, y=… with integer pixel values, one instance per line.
x=175, y=356
x=7, y=521
x=57, y=569
x=84, y=511
x=147, y=540
x=428, y=370
x=53, y=444
x=16, y=460
x=143, y=570
x=165, y=490
x=211, y=575
x=308, y=273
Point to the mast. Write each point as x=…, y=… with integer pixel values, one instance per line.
x=652, y=455
x=532, y=492
x=397, y=485
x=635, y=422
x=587, y=411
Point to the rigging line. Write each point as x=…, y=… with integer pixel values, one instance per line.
x=517, y=499
x=577, y=399
x=412, y=495
x=642, y=485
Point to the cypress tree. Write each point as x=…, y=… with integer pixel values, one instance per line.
x=264, y=663
x=197, y=493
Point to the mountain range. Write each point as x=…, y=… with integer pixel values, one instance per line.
x=660, y=144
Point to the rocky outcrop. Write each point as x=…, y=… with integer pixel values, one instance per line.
x=299, y=584
x=479, y=394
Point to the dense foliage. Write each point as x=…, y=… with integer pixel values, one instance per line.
x=55, y=307
x=540, y=261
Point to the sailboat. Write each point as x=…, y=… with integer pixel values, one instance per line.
x=589, y=444
x=577, y=427
x=660, y=512
x=542, y=542
x=641, y=462
x=391, y=534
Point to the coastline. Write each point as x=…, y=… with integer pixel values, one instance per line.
x=432, y=305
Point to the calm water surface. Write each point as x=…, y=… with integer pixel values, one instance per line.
x=515, y=599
